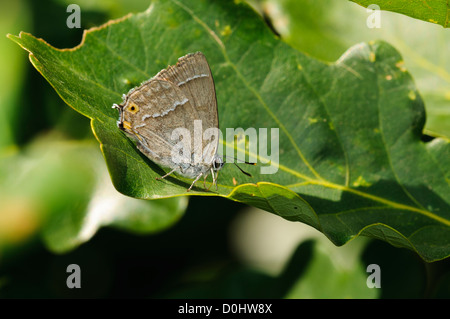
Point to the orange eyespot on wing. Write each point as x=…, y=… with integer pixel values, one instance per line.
x=133, y=108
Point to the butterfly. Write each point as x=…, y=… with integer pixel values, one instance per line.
x=180, y=97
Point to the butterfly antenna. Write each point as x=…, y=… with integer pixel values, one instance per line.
x=244, y=172
x=248, y=174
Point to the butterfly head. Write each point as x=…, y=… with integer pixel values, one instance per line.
x=217, y=163
x=127, y=114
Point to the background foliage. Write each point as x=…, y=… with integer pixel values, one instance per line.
x=206, y=253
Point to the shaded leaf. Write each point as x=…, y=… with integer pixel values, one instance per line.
x=397, y=268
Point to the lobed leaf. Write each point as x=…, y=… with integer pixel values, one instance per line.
x=351, y=159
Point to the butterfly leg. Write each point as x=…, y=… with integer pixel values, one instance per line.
x=196, y=179
x=164, y=176
x=214, y=178
x=212, y=174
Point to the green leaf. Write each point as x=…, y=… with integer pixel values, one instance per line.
x=436, y=11
x=351, y=159
x=305, y=25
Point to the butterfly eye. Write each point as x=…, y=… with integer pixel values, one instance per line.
x=217, y=163
x=133, y=108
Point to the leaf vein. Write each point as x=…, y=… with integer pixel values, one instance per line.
x=121, y=57
x=382, y=133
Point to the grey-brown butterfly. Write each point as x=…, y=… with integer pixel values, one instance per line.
x=176, y=98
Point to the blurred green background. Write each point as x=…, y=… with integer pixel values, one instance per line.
x=52, y=173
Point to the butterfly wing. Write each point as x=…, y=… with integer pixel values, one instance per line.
x=174, y=99
x=192, y=75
